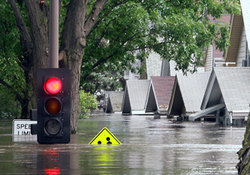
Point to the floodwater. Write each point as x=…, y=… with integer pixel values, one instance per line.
x=149, y=146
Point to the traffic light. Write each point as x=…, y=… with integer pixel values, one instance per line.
x=53, y=105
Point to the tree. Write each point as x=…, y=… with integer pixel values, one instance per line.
x=107, y=81
x=9, y=107
x=97, y=35
x=178, y=30
x=13, y=72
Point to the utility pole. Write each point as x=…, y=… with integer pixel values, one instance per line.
x=53, y=33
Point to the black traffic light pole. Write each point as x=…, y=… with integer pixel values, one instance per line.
x=53, y=33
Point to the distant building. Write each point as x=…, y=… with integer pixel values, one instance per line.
x=188, y=93
x=159, y=94
x=214, y=57
x=227, y=96
x=135, y=97
x=237, y=54
x=113, y=101
x=128, y=75
x=155, y=66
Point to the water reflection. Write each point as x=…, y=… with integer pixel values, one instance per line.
x=149, y=146
x=102, y=161
x=53, y=162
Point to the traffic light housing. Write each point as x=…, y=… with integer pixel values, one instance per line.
x=53, y=105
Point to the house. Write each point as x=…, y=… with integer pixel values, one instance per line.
x=214, y=57
x=187, y=94
x=135, y=97
x=227, y=96
x=155, y=66
x=159, y=94
x=113, y=101
x=237, y=54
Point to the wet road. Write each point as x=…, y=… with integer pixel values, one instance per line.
x=149, y=146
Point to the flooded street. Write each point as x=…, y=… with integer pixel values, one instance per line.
x=149, y=146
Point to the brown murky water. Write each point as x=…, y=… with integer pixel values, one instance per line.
x=149, y=146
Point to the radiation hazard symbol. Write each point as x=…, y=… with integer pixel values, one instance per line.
x=104, y=137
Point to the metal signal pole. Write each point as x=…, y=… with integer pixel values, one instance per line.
x=53, y=33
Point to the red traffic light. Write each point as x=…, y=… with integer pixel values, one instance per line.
x=53, y=86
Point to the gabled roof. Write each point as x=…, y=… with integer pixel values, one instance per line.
x=188, y=93
x=235, y=36
x=237, y=24
x=114, y=101
x=135, y=95
x=159, y=94
x=229, y=85
x=245, y=6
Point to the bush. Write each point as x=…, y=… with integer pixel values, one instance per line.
x=88, y=103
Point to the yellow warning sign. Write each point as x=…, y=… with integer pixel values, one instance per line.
x=104, y=137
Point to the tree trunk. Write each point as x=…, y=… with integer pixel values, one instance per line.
x=244, y=153
x=38, y=20
x=25, y=109
x=34, y=43
x=72, y=45
x=73, y=42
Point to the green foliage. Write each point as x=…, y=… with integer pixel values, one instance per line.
x=178, y=30
x=108, y=80
x=9, y=107
x=88, y=102
x=12, y=79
